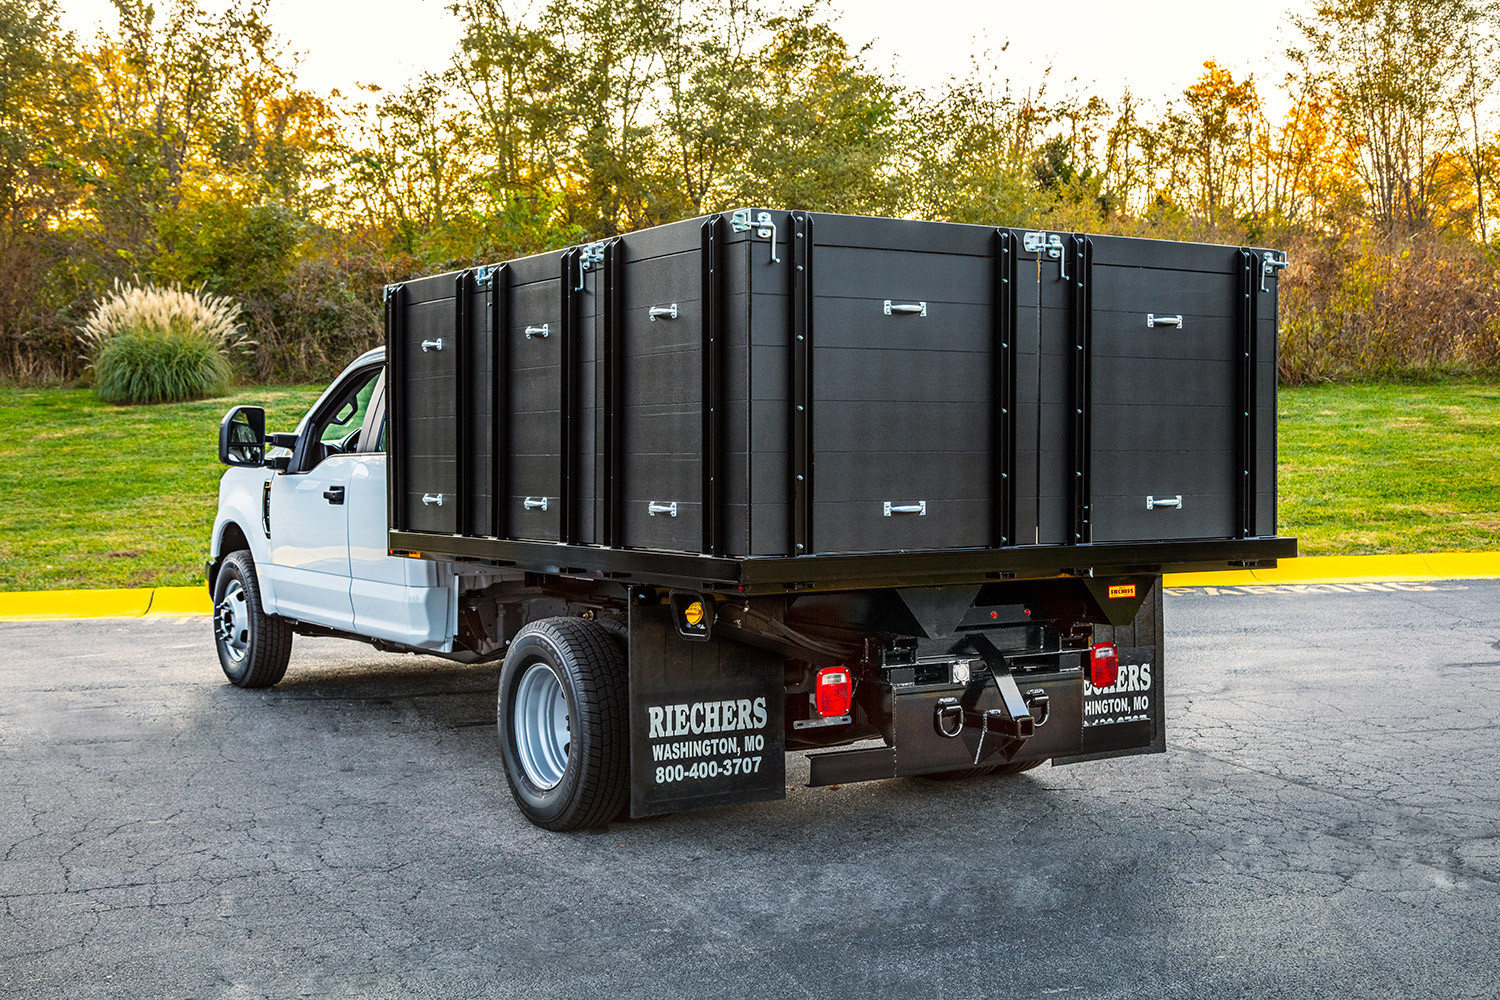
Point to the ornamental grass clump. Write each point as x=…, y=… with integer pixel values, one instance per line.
x=149, y=344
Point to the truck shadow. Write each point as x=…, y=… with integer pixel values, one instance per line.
x=435, y=692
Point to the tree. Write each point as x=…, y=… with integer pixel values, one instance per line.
x=825, y=130
x=41, y=176
x=1217, y=131
x=1396, y=70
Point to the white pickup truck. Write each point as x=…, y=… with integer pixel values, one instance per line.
x=771, y=480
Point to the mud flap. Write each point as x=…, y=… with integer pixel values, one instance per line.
x=706, y=719
x=1130, y=716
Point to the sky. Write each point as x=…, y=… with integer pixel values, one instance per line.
x=1155, y=48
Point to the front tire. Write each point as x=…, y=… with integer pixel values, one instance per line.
x=563, y=719
x=253, y=647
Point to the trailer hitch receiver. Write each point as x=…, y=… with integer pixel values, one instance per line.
x=1016, y=720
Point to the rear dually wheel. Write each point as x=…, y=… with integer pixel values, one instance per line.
x=563, y=720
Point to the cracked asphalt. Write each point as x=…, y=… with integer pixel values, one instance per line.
x=1325, y=824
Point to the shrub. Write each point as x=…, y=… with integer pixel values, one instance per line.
x=161, y=345
x=1357, y=307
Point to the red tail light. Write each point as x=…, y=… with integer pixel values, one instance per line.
x=832, y=692
x=1104, y=664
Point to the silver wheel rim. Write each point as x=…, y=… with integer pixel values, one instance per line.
x=539, y=720
x=232, y=621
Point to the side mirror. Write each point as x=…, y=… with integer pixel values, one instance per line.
x=242, y=437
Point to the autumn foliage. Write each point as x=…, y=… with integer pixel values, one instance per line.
x=181, y=150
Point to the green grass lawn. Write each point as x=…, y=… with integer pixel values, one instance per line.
x=93, y=495
x=1390, y=468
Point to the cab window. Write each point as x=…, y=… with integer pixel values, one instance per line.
x=336, y=430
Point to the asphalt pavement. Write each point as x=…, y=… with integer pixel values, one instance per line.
x=1326, y=823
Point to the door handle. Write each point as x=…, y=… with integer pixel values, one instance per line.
x=334, y=494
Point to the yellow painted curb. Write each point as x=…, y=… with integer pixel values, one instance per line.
x=1354, y=569
x=50, y=605
x=178, y=602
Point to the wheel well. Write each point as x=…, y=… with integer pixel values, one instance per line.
x=232, y=540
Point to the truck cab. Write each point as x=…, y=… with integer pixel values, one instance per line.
x=310, y=517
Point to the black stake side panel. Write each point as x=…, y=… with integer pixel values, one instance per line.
x=427, y=366
x=395, y=411
x=738, y=431
x=587, y=380
x=1003, y=404
x=706, y=723
x=661, y=401
x=605, y=409
x=1165, y=387
x=499, y=324
x=1047, y=362
x=904, y=382
x=768, y=391
x=534, y=342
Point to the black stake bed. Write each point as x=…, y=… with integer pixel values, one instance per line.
x=820, y=402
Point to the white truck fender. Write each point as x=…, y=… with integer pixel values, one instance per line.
x=240, y=524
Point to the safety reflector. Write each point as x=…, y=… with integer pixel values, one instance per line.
x=833, y=692
x=1104, y=664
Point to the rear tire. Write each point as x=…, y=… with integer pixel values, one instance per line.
x=563, y=718
x=253, y=647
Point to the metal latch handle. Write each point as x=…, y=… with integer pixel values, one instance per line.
x=663, y=312
x=656, y=507
x=905, y=308
x=1269, y=265
x=538, y=331
x=432, y=499
x=432, y=345
x=1154, y=320
x=535, y=503
x=1154, y=502
x=764, y=225
x=919, y=508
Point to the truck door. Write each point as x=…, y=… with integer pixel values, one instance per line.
x=309, y=520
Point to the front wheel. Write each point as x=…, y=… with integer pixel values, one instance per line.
x=563, y=720
x=253, y=646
